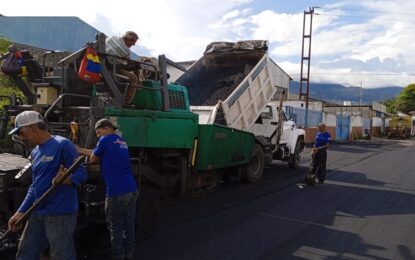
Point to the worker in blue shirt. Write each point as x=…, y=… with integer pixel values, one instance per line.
x=112, y=153
x=53, y=223
x=319, y=153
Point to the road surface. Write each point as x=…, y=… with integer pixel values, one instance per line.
x=366, y=210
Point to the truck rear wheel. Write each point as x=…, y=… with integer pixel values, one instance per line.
x=252, y=172
x=294, y=161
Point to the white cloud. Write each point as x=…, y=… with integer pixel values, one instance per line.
x=231, y=14
x=341, y=38
x=182, y=28
x=177, y=28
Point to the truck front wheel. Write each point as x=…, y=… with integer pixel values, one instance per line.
x=294, y=160
x=252, y=172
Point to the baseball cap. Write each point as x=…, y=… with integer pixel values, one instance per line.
x=24, y=119
x=103, y=122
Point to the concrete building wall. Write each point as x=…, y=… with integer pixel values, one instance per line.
x=310, y=134
x=313, y=106
x=329, y=119
x=377, y=122
x=364, y=111
x=377, y=126
x=356, y=121
x=356, y=125
x=378, y=107
x=387, y=120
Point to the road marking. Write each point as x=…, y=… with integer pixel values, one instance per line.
x=371, y=187
x=310, y=252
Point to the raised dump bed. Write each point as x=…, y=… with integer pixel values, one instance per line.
x=232, y=83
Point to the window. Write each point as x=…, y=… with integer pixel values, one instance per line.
x=267, y=113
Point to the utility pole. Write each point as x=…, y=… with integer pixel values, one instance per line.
x=305, y=58
x=360, y=99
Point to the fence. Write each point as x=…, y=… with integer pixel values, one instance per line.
x=298, y=115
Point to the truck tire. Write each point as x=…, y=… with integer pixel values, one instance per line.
x=294, y=160
x=252, y=172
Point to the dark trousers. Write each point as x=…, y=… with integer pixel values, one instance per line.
x=120, y=212
x=319, y=164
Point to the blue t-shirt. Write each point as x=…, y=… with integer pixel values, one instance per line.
x=46, y=160
x=115, y=165
x=322, y=138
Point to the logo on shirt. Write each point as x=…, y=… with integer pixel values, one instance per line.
x=122, y=144
x=45, y=158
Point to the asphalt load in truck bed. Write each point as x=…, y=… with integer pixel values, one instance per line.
x=211, y=79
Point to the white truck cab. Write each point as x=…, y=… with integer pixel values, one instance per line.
x=286, y=139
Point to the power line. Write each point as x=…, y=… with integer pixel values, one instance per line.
x=369, y=11
x=365, y=17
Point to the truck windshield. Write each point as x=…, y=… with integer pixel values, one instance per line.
x=267, y=113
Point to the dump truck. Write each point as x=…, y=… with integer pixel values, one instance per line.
x=176, y=150
x=233, y=84
x=400, y=127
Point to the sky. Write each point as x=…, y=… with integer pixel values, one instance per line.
x=366, y=43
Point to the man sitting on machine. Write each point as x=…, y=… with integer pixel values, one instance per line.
x=120, y=47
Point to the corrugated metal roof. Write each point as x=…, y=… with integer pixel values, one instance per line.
x=53, y=33
x=48, y=33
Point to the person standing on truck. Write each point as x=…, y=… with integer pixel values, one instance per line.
x=53, y=223
x=112, y=153
x=319, y=153
x=120, y=47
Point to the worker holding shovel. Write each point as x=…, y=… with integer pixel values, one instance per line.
x=319, y=153
x=53, y=222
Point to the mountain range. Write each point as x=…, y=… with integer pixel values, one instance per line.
x=337, y=93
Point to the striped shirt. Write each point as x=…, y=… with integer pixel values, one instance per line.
x=116, y=46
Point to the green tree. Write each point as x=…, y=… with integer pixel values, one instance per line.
x=4, y=44
x=7, y=86
x=390, y=105
x=405, y=102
